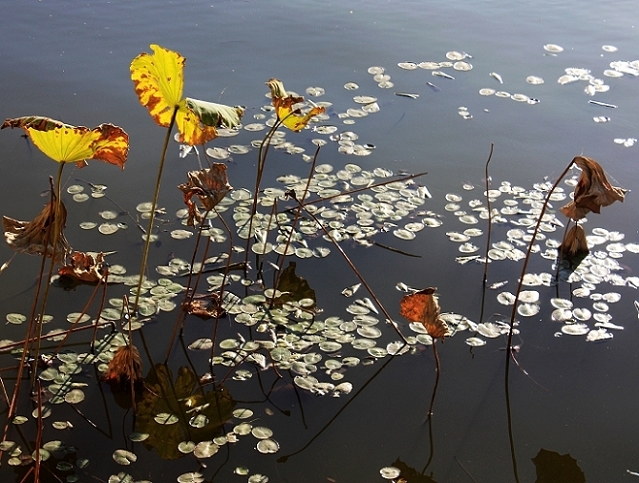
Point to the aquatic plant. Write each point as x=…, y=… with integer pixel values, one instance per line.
x=158, y=79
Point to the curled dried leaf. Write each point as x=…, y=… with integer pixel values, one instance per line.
x=126, y=366
x=287, y=107
x=86, y=268
x=574, y=243
x=422, y=306
x=210, y=185
x=35, y=237
x=208, y=306
x=593, y=190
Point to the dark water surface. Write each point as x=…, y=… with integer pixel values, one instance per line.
x=70, y=61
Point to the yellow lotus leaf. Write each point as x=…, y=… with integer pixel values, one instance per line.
x=287, y=107
x=192, y=130
x=69, y=144
x=158, y=80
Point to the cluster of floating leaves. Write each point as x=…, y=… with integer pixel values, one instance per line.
x=515, y=211
x=348, y=204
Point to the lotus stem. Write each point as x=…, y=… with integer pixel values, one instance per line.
x=147, y=242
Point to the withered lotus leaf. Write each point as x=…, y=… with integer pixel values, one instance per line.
x=593, y=190
x=35, y=237
x=287, y=109
x=574, y=243
x=422, y=306
x=210, y=185
x=86, y=268
x=126, y=366
x=206, y=306
x=158, y=79
x=70, y=144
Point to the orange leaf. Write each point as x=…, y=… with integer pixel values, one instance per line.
x=422, y=306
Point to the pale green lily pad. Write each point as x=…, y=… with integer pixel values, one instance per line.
x=199, y=421
x=205, y=449
x=74, y=396
x=166, y=418
x=242, y=413
x=186, y=447
x=267, y=446
x=201, y=344
x=16, y=319
x=124, y=457
x=192, y=477
x=261, y=432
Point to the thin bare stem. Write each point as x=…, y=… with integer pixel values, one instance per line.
x=512, y=319
x=488, y=235
x=389, y=319
x=156, y=194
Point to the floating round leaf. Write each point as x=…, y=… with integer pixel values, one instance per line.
x=166, y=418
x=475, y=342
x=191, y=477
x=74, y=396
x=506, y=298
x=575, y=329
x=124, y=457
x=17, y=319
x=553, y=48
x=205, y=449
x=389, y=472
x=186, y=447
x=108, y=228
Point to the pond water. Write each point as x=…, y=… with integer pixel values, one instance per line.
x=568, y=395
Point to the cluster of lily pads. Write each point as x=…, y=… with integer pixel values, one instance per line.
x=300, y=217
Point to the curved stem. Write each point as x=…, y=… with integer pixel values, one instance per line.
x=512, y=319
x=156, y=194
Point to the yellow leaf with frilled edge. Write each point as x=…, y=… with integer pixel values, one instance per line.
x=286, y=106
x=71, y=144
x=159, y=79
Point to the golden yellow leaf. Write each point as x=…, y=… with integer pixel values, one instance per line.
x=69, y=144
x=192, y=130
x=287, y=109
x=159, y=80
x=422, y=306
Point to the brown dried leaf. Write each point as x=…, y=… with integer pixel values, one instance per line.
x=574, y=243
x=593, y=190
x=83, y=267
x=210, y=185
x=33, y=236
x=206, y=307
x=125, y=366
x=422, y=306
